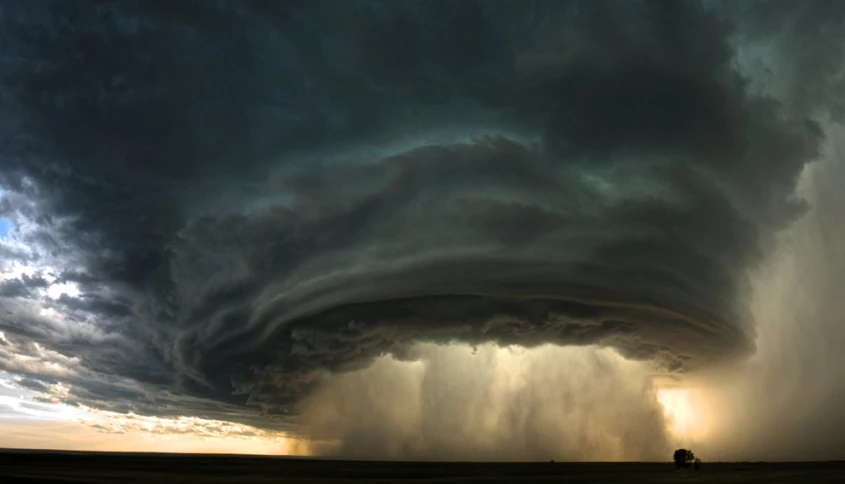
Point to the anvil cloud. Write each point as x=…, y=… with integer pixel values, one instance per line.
x=247, y=196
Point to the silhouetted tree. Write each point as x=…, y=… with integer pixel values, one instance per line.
x=683, y=458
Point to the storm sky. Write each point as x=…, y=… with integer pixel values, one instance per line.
x=427, y=228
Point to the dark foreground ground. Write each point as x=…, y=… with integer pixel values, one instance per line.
x=72, y=467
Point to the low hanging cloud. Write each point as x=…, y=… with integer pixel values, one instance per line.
x=248, y=196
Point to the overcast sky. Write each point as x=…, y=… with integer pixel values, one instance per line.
x=578, y=230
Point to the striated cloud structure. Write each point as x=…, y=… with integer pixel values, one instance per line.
x=213, y=205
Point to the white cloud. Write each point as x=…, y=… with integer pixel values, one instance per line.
x=55, y=291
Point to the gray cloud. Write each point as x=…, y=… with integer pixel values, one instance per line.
x=22, y=286
x=251, y=195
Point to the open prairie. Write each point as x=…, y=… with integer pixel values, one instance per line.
x=92, y=467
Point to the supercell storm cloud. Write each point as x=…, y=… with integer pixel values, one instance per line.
x=247, y=196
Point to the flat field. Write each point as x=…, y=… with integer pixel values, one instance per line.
x=55, y=467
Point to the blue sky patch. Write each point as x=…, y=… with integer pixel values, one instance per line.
x=5, y=226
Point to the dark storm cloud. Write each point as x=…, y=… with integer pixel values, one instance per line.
x=250, y=194
x=808, y=39
x=109, y=309
x=34, y=385
x=22, y=286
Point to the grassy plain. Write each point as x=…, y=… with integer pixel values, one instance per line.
x=48, y=467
